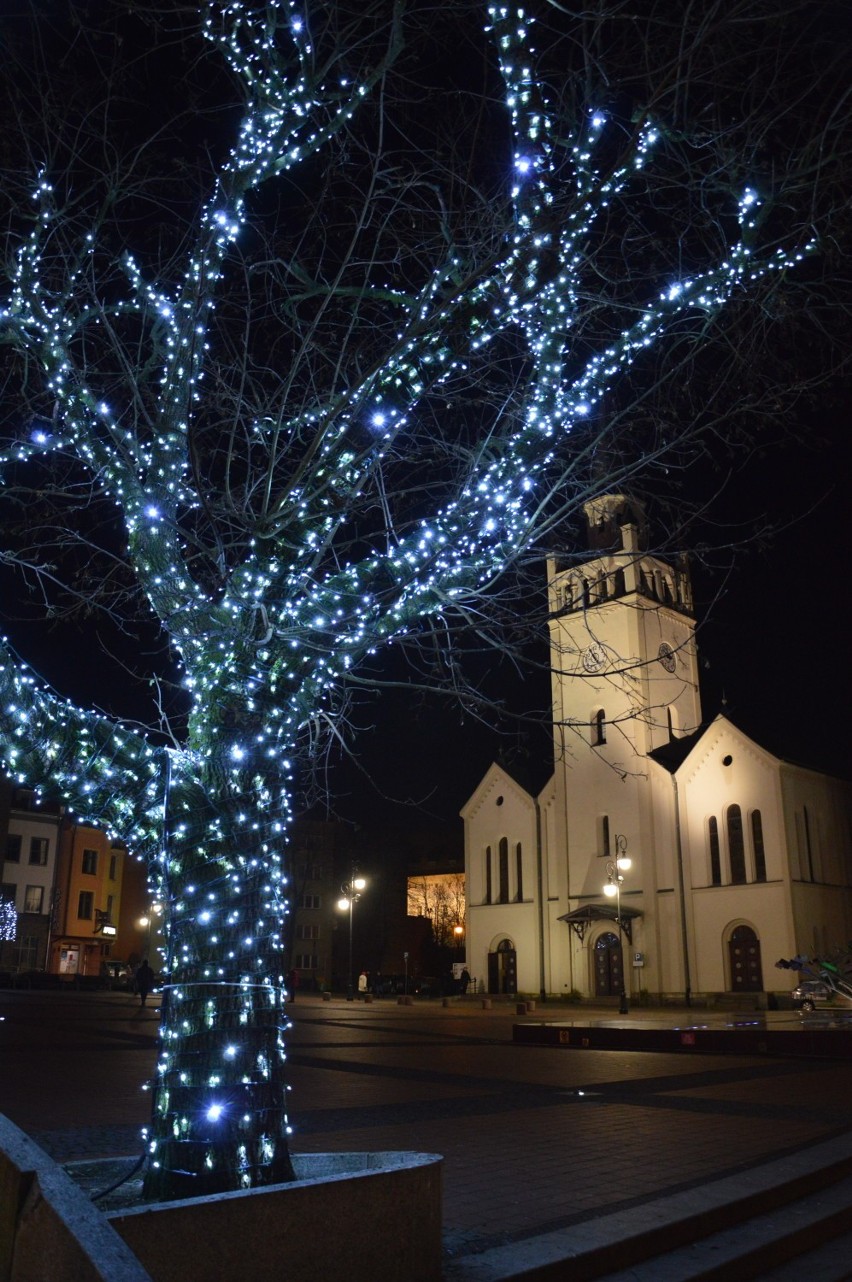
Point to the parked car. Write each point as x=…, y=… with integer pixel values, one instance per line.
x=116, y=975
x=809, y=992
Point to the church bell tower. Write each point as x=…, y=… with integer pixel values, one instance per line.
x=624, y=683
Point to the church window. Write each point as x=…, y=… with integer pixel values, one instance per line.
x=670, y=723
x=620, y=583
x=757, y=842
x=503, y=895
x=736, y=845
x=519, y=872
x=715, y=853
x=599, y=727
x=809, y=851
x=587, y=598
x=488, y=875
x=603, y=836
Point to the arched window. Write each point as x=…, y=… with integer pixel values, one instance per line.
x=519, y=872
x=603, y=836
x=503, y=874
x=809, y=850
x=488, y=875
x=715, y=854
x=757, y=842
x=620, y=584
x=670, y=723
x=599, y=727
x=736, y=845
x=587, y=596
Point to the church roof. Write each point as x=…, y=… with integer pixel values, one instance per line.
x=672, y=755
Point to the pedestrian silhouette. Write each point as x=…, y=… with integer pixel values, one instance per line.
x=144, y=981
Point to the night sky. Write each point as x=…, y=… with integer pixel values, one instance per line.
x=772, y=636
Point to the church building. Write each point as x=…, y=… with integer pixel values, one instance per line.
x=663, y=856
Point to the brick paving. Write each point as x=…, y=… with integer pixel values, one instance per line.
x=533, y=1138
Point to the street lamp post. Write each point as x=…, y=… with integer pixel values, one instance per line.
x=350, y=894
x=458, y=933
x=612, y=889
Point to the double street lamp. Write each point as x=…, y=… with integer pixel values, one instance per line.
x=614, y=872
x=350, y=894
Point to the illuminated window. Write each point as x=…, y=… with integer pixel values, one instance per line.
x=33, y=899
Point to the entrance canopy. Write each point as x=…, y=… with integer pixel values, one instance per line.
x=581, y=918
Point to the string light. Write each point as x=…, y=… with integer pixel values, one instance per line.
x=263, y=657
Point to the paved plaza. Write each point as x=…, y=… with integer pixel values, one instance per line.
x=534, y=1138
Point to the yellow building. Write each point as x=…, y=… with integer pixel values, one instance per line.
x=89, y=876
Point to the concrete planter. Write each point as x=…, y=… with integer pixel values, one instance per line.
x=349, y=1217
x=352, y=1216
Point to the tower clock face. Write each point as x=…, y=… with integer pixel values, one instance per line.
x=594, y=657
x=666, y=655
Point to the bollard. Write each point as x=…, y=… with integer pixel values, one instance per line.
x=445, y=1002
x=530, y=1007
x=326, y=997
x=486, y=1003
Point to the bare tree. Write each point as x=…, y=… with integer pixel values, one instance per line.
x=303, y=366
x=440, y=897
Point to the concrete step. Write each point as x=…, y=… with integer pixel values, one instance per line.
x=709, y=1232
x=778, y=1238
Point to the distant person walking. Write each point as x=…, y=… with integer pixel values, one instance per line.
x=144, y=981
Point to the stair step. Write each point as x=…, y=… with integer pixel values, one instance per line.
x=747, y=1250
x=714, y=1229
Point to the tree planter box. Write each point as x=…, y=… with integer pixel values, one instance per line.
x=350, y=1217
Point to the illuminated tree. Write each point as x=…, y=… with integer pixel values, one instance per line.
x=317, y=439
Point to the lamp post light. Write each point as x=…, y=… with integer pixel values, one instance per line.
x=351, y=893
x=458, y=934
x=612, y=889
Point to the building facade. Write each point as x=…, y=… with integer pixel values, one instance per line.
x=30, y=848
x=89, y=876
x=737, y=857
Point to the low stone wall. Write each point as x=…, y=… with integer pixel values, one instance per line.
x=350, y=1217
x=48, y=1228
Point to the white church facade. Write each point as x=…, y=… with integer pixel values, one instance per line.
x=737, y=857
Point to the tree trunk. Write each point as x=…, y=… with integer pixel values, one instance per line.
x=219, y=1118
